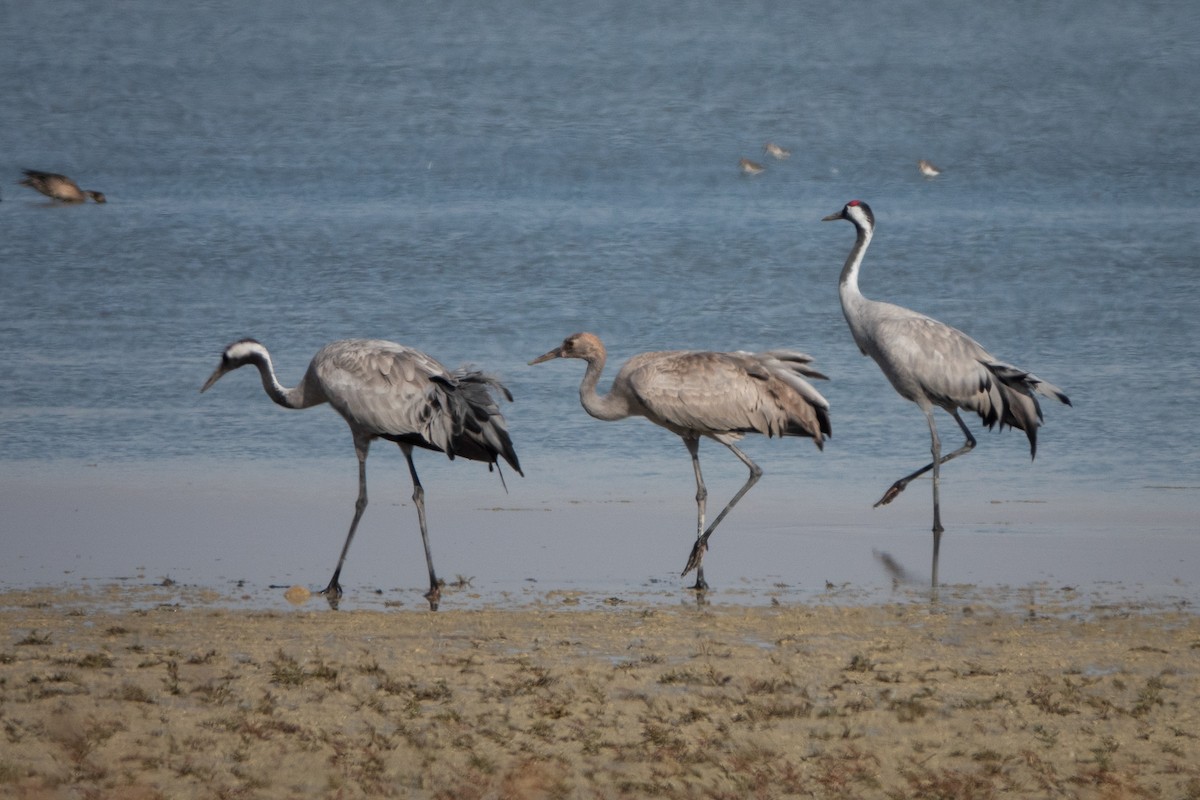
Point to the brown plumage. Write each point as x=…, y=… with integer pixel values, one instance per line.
x=749, y=167
x=59, y=187
x=718, y=395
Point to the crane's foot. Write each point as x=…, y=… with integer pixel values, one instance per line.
x=332, y=593
x=434, y=596
x=892, y=493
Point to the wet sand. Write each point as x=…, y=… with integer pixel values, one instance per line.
x=171, y=692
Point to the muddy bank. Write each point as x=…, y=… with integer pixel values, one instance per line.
x=181, y=697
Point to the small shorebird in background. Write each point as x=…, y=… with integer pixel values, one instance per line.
x=58, y=187
x=928, y=169
x=772, y=149
x=750, y=167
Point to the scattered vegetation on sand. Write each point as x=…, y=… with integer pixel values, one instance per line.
x=546, y=702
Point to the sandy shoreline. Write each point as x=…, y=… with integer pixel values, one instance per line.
x=184, y=698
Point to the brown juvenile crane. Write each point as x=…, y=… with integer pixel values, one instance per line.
x=691, y=393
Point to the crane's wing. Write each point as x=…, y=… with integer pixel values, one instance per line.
x=383, y=388
x=399, y=393
x=922, y=356
x=725, y=393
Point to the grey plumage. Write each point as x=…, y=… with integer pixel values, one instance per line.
x=388, y=391
x=721, y=396
x=59, y=187
x=933, y=364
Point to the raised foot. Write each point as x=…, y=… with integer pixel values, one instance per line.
x=891, y=494
x=698, y=551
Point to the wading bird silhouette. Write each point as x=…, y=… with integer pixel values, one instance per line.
x=388, y=391
x=933, y=364
x=702, y=393
x=58, y=187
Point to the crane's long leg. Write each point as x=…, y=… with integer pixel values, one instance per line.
x=333, y=590
x=702, y=540
x=935, y=446
x=896, y=488
x=935, y=465
x=435, y=590
x=693, y=446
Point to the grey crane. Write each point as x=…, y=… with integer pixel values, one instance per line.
x=933, y=364
x=388, y=391
x=58, y=187
x=701, y=393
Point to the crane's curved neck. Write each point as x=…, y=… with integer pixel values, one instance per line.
x=295, y=397
x=848, y=282
x=606, y=407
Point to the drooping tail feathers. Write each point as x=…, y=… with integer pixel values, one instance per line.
x=479, y=431
x=1019, y=408
x=811, y=412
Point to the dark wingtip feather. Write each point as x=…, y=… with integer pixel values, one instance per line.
x=510, y=455
x=481, y=433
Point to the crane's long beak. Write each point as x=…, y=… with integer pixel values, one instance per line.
x=831, y=217
x=217, y=373
x=555, y=353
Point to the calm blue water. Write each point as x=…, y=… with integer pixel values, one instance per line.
x=480, y=180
